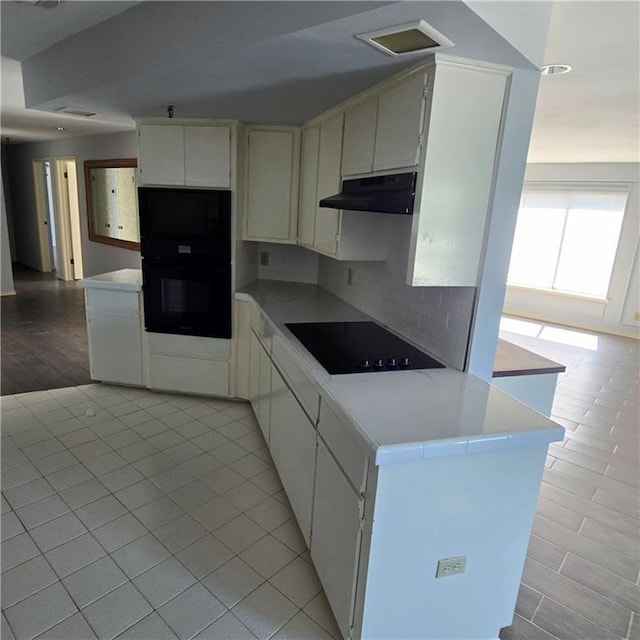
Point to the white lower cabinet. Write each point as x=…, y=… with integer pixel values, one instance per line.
x=115, y=347
x=335, y=544
x=293, y=448
x=188, y=364
x=115, y=336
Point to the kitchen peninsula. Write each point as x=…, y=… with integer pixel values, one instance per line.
x=415, y=490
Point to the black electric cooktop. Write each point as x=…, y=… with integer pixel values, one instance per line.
x=359, y=347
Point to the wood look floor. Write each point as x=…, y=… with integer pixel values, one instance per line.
x=581, y=574
x=44, y=334
x=82, y=553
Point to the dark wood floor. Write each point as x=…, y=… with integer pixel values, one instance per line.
x=44, y=334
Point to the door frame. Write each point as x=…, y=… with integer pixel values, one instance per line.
x=66, y=216
x=65, y=189
x=40, y=194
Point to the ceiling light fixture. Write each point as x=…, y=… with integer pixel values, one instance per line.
x=413, y=37
x=60, y=128
x=555, y=69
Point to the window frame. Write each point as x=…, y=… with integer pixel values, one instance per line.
x=583, y=187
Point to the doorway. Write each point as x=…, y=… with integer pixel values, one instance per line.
x=58, y=212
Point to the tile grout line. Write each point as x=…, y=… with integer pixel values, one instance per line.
x=152, y=532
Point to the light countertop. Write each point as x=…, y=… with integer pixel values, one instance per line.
x=401, y=415
x=122, y=280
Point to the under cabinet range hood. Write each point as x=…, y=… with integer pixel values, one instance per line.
x=380, y=194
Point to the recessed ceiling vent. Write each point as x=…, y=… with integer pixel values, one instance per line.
x=74, y=111
x=414, y=37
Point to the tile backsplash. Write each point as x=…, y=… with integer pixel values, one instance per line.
x=288, y=262
x=437, y=319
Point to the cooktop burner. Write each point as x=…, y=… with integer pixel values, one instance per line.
x=359, y=347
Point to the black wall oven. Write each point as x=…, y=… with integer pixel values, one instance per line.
x=185, y=241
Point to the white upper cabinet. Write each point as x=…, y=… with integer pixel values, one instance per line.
x=359, y=137
x=400, y=124
x=192, y=155
x=308, y=203
x=351, y=235
x=327, y=224
x=456, y=175
x=271, y=171
x=384, y=132
x=161, y=154
x=207, y=160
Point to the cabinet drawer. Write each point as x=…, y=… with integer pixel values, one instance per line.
x=189, y=375
x=301, y=386
x=350, y=456
x=112, y=300
x=189, y=346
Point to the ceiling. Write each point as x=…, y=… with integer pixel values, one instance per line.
x=285, y=62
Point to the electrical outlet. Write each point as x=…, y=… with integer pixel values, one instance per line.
x=264, y=258
x=451, y=566
x=349, y=275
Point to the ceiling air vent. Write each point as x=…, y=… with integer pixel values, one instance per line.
x=414, y=37
x=74, y=111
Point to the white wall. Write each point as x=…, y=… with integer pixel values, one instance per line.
x=434, y=318
x=97, y=258
x=6, y=285
x=617, y=315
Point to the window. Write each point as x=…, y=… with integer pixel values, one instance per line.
x=566, y=238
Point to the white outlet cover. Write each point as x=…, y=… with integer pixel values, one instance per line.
x=451, y=566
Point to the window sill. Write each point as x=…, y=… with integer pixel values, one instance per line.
x=560, y=294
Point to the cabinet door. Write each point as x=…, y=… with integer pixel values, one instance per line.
x=335, y=546
x=264, y=394
x=465, y=119
x=359, y=138
x=207, y=156
x=293, y=448
x=260, y=385
x=271, y=211
x=254, y=373
x=400, y=124
x=161, y=154
x=308, y=186
x=327, y=225
x=115, y=347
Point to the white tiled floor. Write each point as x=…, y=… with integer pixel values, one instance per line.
x=137, y=515
x=161, y=516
